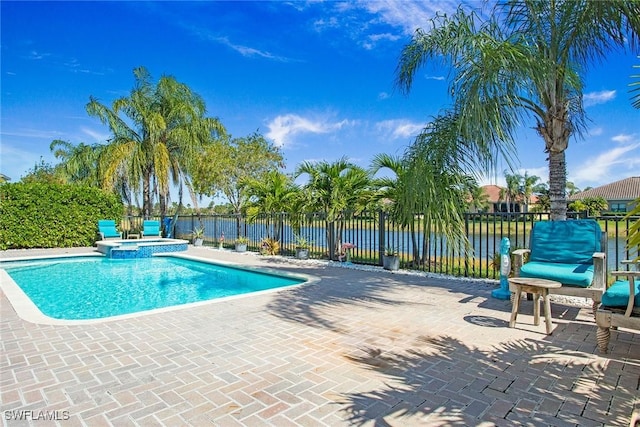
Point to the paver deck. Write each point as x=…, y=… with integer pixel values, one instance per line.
x=356, y=348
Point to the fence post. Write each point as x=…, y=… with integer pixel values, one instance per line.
x=381, y=235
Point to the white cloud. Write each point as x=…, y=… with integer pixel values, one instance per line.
x=95, y=135
x=594, y=98
x=407, y=15
x=283, y=128
x=605, y=166
x=596, y=132
x=398, y=128
x=622, y=138
x=434, y=77
x=383, y=95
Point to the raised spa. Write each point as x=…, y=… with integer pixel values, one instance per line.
x=143, y=248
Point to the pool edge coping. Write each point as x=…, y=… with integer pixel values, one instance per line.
x=28, y=311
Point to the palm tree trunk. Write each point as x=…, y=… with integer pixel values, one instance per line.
x=557, y=185
x=146, y=195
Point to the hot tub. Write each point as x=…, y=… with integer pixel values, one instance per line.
x=144, y=248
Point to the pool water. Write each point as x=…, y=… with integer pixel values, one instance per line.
x=97, y=287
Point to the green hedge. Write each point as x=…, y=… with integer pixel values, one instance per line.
x=38, y=215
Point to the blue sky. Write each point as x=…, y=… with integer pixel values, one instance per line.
x=316, y=78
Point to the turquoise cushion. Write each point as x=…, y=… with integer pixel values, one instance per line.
x=567, y=242
x=151, y=228
x=618, y=294
x=568, y=274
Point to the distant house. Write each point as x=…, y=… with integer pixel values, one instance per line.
x=620, y=195
x=4, y=178
x=498, y=204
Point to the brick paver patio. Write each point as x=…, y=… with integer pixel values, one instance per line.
x=355, y=348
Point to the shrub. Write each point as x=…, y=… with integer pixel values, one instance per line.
x=42, y=215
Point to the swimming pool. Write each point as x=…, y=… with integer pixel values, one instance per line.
x=96, y=287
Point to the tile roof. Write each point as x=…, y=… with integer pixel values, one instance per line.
x=625, y=189
x=493, y=191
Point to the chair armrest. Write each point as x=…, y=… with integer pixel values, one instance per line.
x=630, y=275
x=101, y=235
x=599, y=271
x=518, y=260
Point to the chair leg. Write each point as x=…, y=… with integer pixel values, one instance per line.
x=602, y=336
x=594, y=308
x=514, y=308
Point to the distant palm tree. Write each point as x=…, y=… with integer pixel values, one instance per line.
x=512, y=192
x=528, y=188
x=78, y=162
x=525, y=60
x=479, y=199
x=163, y=129
x=334, y=188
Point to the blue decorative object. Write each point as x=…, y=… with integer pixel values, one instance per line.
x=505, y=269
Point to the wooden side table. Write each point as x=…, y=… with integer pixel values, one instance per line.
x=537, y=287
x=133, y=236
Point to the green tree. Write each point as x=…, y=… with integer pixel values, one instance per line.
x=593, y=206
x=528, y=186
x=333, y=189
x=228, y=164
x=478, y=199
x=79, y=163
x=273, y=194
x=163, y=130
x=524, y=61
x=44, y=173
x=511, y=193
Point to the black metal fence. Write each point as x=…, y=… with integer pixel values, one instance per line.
x=373, y=232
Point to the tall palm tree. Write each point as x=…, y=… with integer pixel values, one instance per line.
x=525, y=60
x=334, y=188
x=168, y=128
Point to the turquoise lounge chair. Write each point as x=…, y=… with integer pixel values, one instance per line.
x=107, y=229
x=151, y=228
x=620, y=305
x=571, y=252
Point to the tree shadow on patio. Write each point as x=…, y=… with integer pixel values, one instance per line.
x=443, y=381
x=320, y=304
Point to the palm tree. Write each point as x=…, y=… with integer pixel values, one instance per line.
x=273, y=194
x=168, y=130
x=512, y=192
x=333, y=189
x=390, y=191
x=478, y=199
x=528, y=187
x=524, y=61
x=78, y=162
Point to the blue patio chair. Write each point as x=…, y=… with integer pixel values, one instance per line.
x=107, y=229
x=571, y=252
x=151, y=228
x=620, y=305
